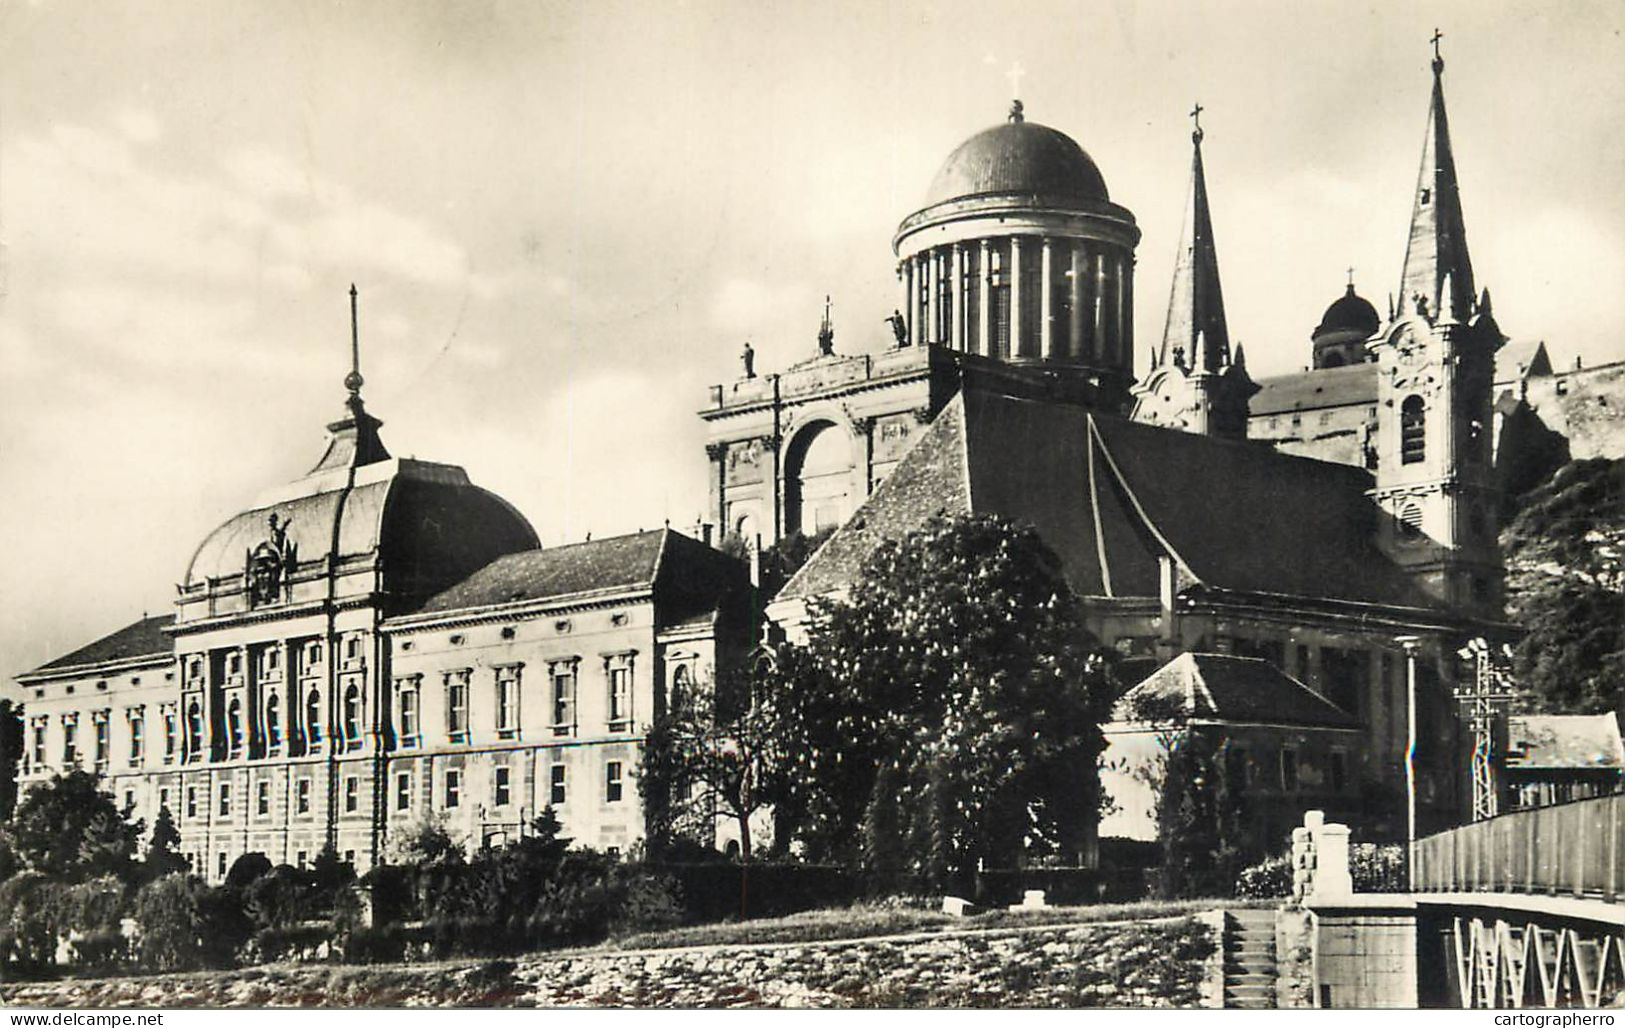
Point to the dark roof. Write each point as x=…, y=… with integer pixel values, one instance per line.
x=692, y=578
x=1225, y=688
x=1312, y=390
x=1350, y=312
x=1018, y=157
x=599, y=565
x=1112, y=497
x=1564, y=741
x=144, y=638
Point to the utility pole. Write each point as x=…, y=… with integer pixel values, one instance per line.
x=1486, y=696
x=1411, y=645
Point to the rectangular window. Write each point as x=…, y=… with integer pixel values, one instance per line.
x=301, y=796
x=454, y=787
x=303, y=858
x=403, y=791
x=620, y=693
x=457, y=706
x=163, y=799
x=499, y=787
x=555, y=794
x=129, y=801
x=220, y=865
x=408, y=710
x=262, y=798
x=70, y=742
x=138, y=737
x=1289, y=770
x=507, y=702
x=564, y=699
x=171, y=736
x=39, y=743
x=225, y=799
x=191, y=801
x=352, y=794
x=612, y=782
x=1337, y=772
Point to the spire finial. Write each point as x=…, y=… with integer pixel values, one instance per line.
x=826, y=332
x=1438, y=61
x=1351, y=277
x=1196, y=117
x=353, y=380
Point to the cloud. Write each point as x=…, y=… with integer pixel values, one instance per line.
x=139, y=126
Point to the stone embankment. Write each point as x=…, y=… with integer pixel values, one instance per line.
x=1144, y=964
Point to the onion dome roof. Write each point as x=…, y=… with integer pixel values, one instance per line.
x=1019, y=157
x=1349, y=313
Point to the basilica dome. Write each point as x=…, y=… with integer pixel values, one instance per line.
x=1349, y=313
x=1019, y=157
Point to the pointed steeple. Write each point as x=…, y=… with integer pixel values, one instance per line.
x=1436, y=253
x=353, y=440
x=1196, y=322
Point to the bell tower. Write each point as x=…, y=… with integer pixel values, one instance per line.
x=1436, y=360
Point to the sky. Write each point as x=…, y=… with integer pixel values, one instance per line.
x=565, y=220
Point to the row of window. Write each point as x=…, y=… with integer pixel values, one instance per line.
x=507, y=696
x=350, y=792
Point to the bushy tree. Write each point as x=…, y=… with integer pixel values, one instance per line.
x=960, y=664
x=11, y=751
x=169, y=913
x=1201, y=820
x=67, y=827
x=1565, y=579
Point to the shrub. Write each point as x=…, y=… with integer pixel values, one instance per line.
x=31, y=913
x=171, y=923
x=290, y=941
x=1270, y=878
x=650, y=903
x=1379, y=867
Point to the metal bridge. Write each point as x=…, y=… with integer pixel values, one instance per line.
x=1523, y=909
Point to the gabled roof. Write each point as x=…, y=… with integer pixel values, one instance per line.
x=144, y=638
x=1524, y=358
x=1312, y=390
x=1112, y=497
x=1564, y=741
x=692, y=577
x=1220, y=687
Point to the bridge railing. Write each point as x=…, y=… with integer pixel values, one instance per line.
x=1572, y=848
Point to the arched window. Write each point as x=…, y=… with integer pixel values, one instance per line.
x=1410, y=521
x=234, y=725
x=681, y=690
x=194, y=730
x=352, y=716
x=273, y=721
x=313, y=716
x=1412, y=431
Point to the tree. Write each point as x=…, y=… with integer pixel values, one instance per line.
x=163, y=855
x=1201, y=821
x=711, y=757
x=1564, y=582
x=11, y=751
x=961, y=665
x=68, y=827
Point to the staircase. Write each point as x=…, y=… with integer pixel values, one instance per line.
x=1249, y=959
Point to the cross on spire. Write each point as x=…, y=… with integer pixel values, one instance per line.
x=1015, y=75
x=1438, y=61
x=1351, y=276
x=1196, y=117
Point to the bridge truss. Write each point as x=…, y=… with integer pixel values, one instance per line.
x=1501, y=963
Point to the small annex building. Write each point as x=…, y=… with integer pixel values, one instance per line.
x=1555, y=758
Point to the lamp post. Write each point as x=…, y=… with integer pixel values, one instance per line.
x=1410, y=644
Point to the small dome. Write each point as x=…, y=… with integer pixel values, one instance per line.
x=1019, y=157
x=1350, y=313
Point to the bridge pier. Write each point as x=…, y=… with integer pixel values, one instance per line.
x=1365, y=951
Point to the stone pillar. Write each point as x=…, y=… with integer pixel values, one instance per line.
x=934, y=294
x=1046, y=302
x=984, y=301
x=1332, y=880
x=1120, y=320
x=956, y=316
x=1016, y=349
x=920, y=304
x=1075, y=294
x=1101, y=347
x=905, y=277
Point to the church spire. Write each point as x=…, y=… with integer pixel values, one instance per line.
x=353, y=440
x=1436, y=253
x=1196, y=326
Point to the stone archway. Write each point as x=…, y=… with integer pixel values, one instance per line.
x=817, y=478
